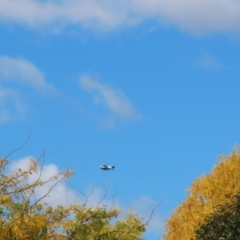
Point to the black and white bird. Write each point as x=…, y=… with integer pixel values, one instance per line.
x=107, y=167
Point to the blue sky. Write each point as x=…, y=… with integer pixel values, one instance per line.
x=151, y=87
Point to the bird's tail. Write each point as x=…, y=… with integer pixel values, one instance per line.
x=113, y=167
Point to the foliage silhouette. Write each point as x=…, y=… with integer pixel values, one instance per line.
x=205, y=196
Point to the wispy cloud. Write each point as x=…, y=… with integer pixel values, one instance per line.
x=23, y=71
x=113, y=99
x=207, y=61
x=199, y=16
x=16, y=73
x=11, y=105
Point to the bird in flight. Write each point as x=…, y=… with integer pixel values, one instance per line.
x=107, y=167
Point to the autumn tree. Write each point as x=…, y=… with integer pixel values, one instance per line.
x=23, y=217
x=205, y=196
x=223, y=224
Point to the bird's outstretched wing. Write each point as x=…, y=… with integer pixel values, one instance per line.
x=107, y=167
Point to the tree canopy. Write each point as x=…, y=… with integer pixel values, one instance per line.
x=205, y=195
x=24, y=217
x=223, y=224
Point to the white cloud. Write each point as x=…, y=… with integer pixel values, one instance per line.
x=23, y=71
x=88, y=13
x=59, y=195
x=195, y=16
x=114, y=99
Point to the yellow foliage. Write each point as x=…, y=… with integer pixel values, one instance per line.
x=23, y=217
x=205, y=194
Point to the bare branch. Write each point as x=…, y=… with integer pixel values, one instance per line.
x=43, y=155
x=104, y=196
x=88, y=196
x=20, y=146
x=152, y=212
x=113, y=202
x=50, y=189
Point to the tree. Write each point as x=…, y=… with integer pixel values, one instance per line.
x=223, y=224
x=205, y=195
x=24, y=217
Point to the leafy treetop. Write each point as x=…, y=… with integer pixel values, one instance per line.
x=23, y=217
x=204, y=195
x=223, y=224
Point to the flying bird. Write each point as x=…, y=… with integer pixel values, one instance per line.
x=107, y=167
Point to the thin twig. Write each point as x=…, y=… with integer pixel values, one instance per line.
x=104, y=196
x=20, y=146
x=113, y=202
x=152, y=212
